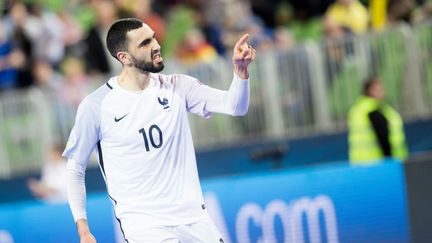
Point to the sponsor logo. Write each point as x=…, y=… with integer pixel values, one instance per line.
x=118, y=119
x=302, y=220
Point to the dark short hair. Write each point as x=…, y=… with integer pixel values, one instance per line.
x=116, y=38
x=368, y=84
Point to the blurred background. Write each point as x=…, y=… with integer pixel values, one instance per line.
x=279, y=174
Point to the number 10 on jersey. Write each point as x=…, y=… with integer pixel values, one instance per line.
x=153, y=131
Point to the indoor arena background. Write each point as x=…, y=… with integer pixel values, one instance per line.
x=279, y=174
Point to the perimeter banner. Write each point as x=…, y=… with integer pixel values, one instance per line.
x=336, y=203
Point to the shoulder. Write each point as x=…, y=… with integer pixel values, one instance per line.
x=94, y=99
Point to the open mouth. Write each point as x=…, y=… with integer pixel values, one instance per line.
x=157, y=56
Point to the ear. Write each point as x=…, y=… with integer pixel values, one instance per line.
x=124, y=58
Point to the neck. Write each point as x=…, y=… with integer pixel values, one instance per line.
x=133, y=79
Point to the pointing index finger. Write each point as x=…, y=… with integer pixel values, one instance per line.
x=240, y=42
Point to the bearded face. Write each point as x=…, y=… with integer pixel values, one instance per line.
x=154, y=66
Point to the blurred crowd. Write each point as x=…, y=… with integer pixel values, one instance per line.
x=59, y=45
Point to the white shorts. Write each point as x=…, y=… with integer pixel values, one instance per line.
x=202, y=231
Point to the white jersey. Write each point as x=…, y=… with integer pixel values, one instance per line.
x=145, y=147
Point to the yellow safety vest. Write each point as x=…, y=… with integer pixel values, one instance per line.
x=364, y=147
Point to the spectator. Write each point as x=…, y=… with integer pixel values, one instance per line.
x=143, y=10
x=72, y=31
x=46, y=31
x=211, y=29
x=239, y=18
x=18, y=28
x=96, y=55
x=375, y=129
x=422, y=13
x=48, y=82
x=194, y=49
x=400, y=10
x=51, y=188
x=283, y=39
x=77, y=82
x=10, y=60
x=350, y=14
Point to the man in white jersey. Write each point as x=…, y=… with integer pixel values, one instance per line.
x=137, y=122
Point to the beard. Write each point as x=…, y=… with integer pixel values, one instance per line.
x=147, y=66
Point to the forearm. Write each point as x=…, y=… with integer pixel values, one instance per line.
x=234, y=101
x=237, y=98
x=76, y=192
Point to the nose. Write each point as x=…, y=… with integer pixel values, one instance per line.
x=156, y=45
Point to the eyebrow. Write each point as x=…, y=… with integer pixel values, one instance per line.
x=147, y=40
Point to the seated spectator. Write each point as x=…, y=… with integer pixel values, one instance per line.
x=51, y=188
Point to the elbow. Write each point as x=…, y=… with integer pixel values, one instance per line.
x=240, y=112
x=240, y=108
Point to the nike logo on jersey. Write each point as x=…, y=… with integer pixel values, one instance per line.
x=163, y=102
x=118, y=119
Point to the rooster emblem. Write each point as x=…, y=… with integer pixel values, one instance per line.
x=163, y=102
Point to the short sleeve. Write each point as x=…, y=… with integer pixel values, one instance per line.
x=84, y=135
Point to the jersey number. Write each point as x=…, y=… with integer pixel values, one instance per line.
x=153, y=130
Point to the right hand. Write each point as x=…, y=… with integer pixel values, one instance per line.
x=87, y=238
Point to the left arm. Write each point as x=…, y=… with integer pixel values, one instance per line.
x=204, y=100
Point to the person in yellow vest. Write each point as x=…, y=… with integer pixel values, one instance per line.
x=375, y=130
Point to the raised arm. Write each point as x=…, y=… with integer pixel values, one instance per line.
x=204, y=100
